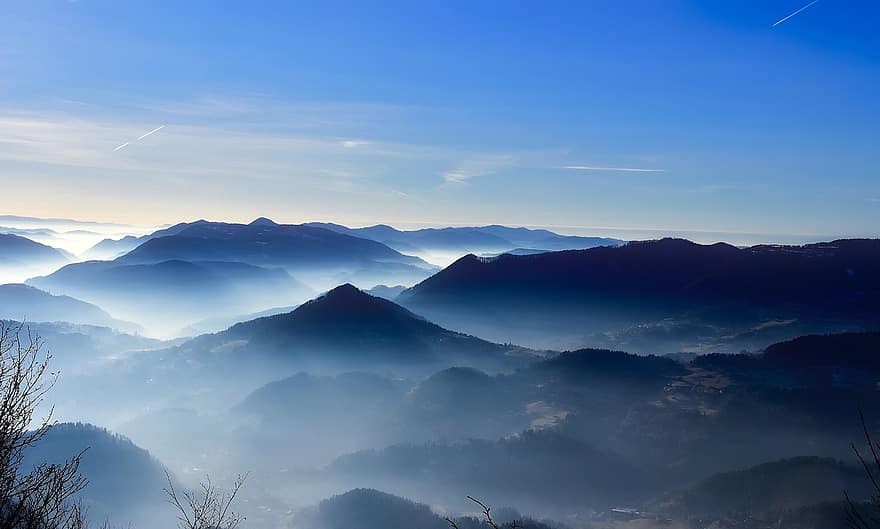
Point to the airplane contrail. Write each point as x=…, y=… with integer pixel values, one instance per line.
x=781, y=20
x=619, y=169
x=157, y=129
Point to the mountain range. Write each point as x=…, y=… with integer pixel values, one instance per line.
x=470, y=239
x=661, y=296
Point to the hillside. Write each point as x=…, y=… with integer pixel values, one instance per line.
x=20, y=251
x=374, y=508
x=571, y=472
x=24, y=302
x=123, y=478
x=21, y=258
x=775, y=487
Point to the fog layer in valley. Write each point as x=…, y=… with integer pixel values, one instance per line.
x=576, y=381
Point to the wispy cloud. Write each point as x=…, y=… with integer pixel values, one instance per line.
x=351, y=144
x=612, y=169
x=223, y=159
x=783, y=19
x=476, y=166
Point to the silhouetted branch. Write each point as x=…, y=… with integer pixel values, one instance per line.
x=209, y=509
x=856, y=518
x=487, y=514
x=40, y=498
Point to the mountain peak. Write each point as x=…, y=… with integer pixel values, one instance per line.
x=345, y=289
x=263, y=221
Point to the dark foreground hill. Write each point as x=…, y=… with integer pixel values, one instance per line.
x=774, y=487
x=373, y=508
x=123, y=479
x=658, y=296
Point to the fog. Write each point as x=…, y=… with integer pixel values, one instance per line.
x=575, y=409
x=597, y=430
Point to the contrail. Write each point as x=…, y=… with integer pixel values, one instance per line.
x=780, y=21
x=621, y=169
x=157, y=129
x=126, y=144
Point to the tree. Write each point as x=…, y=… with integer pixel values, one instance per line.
x=42, y=497
x=862, y=516
x=209, y=508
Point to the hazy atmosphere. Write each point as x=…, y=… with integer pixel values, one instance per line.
x=565, y=265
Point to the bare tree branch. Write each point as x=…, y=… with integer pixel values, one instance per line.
x=209, y=509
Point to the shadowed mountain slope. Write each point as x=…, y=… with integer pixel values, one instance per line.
x=346, y=324
x=669, y=293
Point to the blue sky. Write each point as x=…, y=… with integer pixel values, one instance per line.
x=445, y=113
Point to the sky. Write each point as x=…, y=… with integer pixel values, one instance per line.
x=594, y=117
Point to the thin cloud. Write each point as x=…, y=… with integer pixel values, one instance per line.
x=612, y=169
x=478, y=166
x=456, y=177
x=781, y=20
x=350, y=144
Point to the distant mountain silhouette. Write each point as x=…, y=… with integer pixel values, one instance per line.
x=346, y=325
x=113, y=248
x=170, y=294
x=23, y=302
x=20, y=251
x=481, y=238
x=384, y=291
x=608, y=289
x=264, y=242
